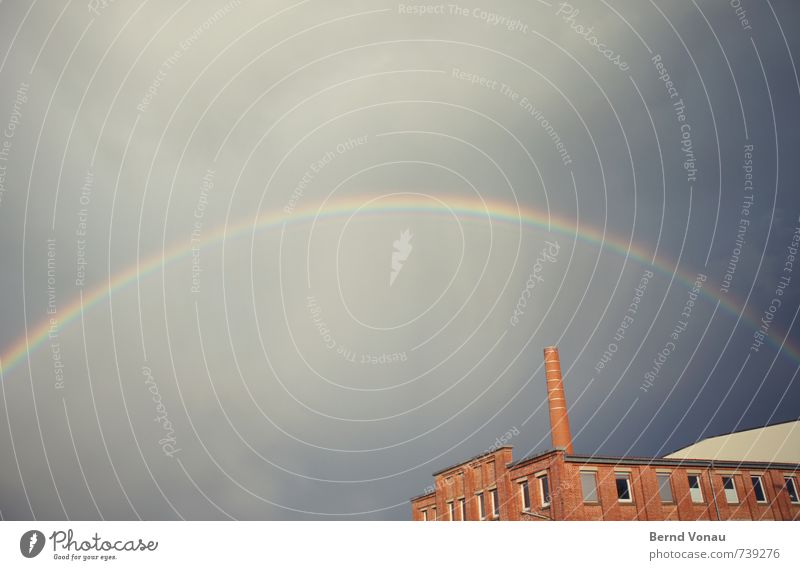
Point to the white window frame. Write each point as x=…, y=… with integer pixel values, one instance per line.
x=731, y=495
x=542, y=495
x=424, y=513
x=625, y=476
x=495, y=495
x=790, y=479
x=668, y=475
x=524, y=486
x=699, y=488
x=593, y=475
x=760, y=479
x=481, y=506
x=451, y=510
x=462, y=507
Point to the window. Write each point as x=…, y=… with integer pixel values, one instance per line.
x=482, y=505
x=451, y=510
x=544, y=490
x=791, y=488
x=462, y=507
x=525, y=495
x=589, y=486
x=424, y=515
x=623, y=487
x=495, y=504
x=433, y=513
x=758, y=489
x=694, y=489
x=730, y=490
x=664, y=488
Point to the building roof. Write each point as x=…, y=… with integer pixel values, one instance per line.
x=774, y=446
x=423, y=495
x=533, y=457
x=471, y=459
x=776, y=443
x=661, y=461
x=682, y=462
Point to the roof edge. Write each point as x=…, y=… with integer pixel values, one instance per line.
x=796, y=420
x=471, y=459
x=535, y=457
x=418, y=497
x=680, y=462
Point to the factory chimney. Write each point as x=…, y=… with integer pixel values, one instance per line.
x=560, y=435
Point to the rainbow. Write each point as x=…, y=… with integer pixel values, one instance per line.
x=470, y=209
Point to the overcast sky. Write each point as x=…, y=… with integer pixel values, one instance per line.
x=284, y=260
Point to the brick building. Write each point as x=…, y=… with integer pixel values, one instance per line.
x=560, y=485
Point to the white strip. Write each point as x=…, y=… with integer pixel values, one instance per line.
x=406, y=544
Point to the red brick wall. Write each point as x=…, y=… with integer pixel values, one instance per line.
x=422, y=503
x=567, y=495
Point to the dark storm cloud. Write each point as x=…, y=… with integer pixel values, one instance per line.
x=277, y=373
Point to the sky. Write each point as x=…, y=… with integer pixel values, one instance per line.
x=284, y=260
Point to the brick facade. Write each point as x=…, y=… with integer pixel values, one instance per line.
x=492, y=471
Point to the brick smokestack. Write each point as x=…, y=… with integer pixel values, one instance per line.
x=560, y=435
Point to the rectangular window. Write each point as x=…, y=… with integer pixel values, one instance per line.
x=424, y=515
x=482, y=505
x=694, y=489
x=544, y=490
x=525, y=495
x=758, y=489
x=664, y=488
x=589, y=486
x=623, y=487
x=730, y=490
x=791, y=488
x=495, y=503
x=451, y=510
x=462, y=507
x=433, y=513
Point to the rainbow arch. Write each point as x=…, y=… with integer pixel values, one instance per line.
x=475, y=209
